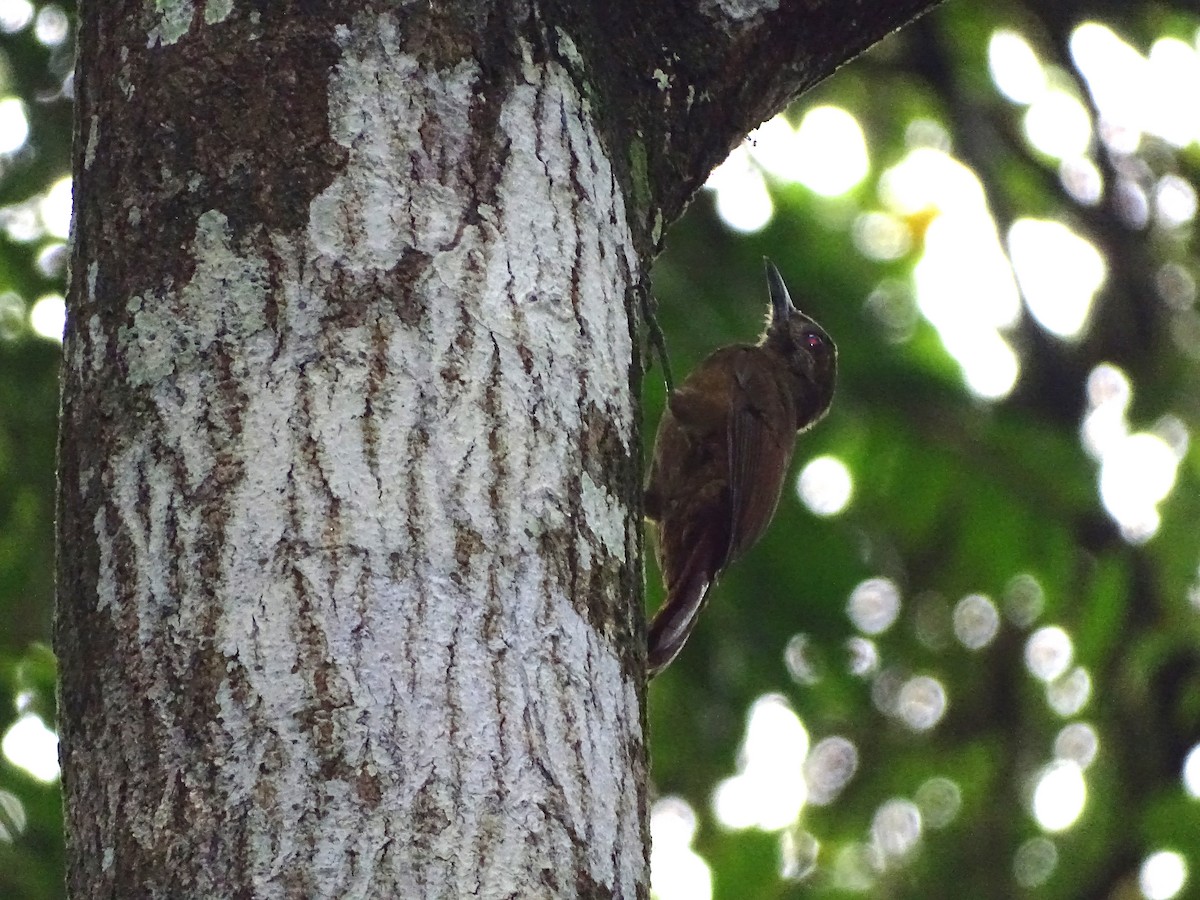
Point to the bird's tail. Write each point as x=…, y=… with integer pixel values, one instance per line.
x=675, y=619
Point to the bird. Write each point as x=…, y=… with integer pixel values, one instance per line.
x=723, y=448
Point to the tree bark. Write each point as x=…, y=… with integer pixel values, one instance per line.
x=349, y=517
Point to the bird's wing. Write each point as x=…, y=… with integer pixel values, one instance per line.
x=760, y=449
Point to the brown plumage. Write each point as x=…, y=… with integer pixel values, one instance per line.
x=723, y=449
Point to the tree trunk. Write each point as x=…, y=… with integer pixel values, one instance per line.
x=349, y=532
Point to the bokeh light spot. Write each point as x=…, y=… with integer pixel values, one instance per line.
x=1115, y=72
x=896, y=827
x=746, y=211
x=1108, y=385
x=831, y=151
x=769, y=790
x=1015, y=69
x=928, y=179
x=891, y=305
x=1069, y=693
x=30, y=745
x=13, y=316
x=1132, y=204
x=52, y=26
x=21, y=223
x=976, y=621
x=1082, y=180
x=772, y=145
x=15, y=15
x=863, y=656
x=1048, y=653
x=14, y=125
x=829, y=767
x=55, y=209
x=1078, y=743
x=1058, y=125
x=1176, y=285
x=48, y=317
x=798, y=854
x=1162, y=875
x=922, y=702
x=1108, y=394
x=743, y=202
x=672, y=820
x=885, y=690
x=803, y=660
x=1135, y=475
x=827, y=153
x=1172, y=65
x=1059, y=273
x=874, y=605
x=52, y=259
x=1137, y=471
x=677, y=872
x=929, y=133
x=964, y=283
x=1034, y=862
x=1059, y=796
x=881, y=236
x=825, y=486
x=939, y=800
x=1023, y=600
x=1137, y=94
x=856, y=867
x=1191, y=772
x=991, y=367
x=13, y=817
x=1174, y=201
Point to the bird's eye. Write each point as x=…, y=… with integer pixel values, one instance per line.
x=814, y=341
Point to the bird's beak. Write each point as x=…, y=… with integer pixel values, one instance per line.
x=781, y=300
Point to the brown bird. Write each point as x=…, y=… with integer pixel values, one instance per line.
x=721, y=454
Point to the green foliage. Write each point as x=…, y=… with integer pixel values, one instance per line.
x=35, y=61
x=954, y=495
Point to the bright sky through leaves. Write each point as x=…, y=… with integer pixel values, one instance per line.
x=1015, y=68
x=48, y=317
x=1163, y=875
x=30, y=745
x=827, y=153
x=1139, y=94
x=1059, y=273
x=14, y=126
x=825, y=485
x=55, y=209
x=52, y=26
x=1058, y=125
x=677, y=872
x=964, y=285
x=1059, y=796
x=874, y=605
x=1191, y=772
x=1048, y=653
x=1138, y=470
x=769, y=790
x=15, y=15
